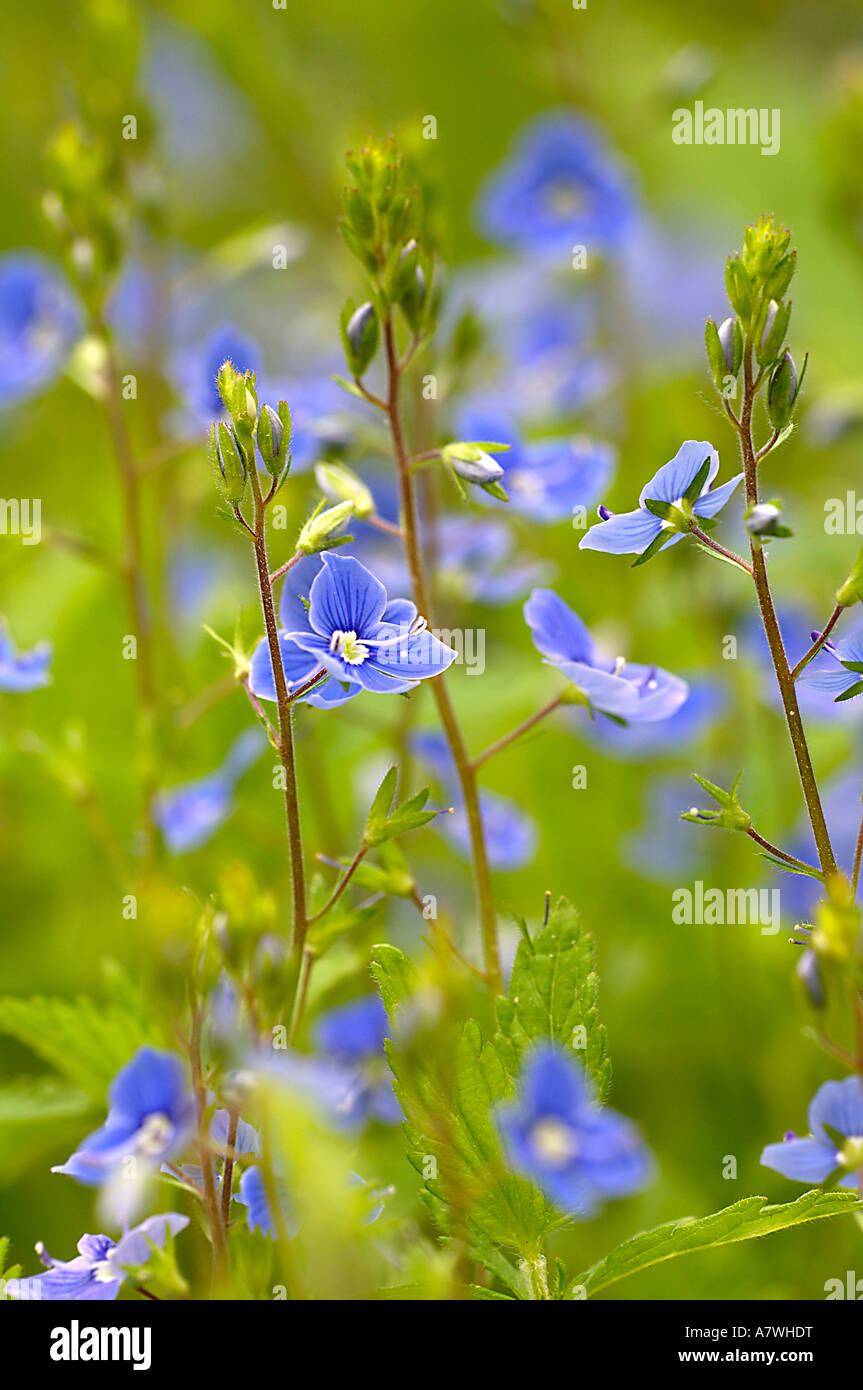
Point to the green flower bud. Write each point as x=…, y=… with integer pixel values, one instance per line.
x=340, y=484
x=360, y=335
x=472, y=463
x=770, y=331
x=762, y=520
x=783, y=391
x=730, y=337
x=274, y=435
x=851, y=591
x=739, y=288
x=228, y=463
x=323, y=529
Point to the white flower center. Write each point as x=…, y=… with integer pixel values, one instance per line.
x=155, y=1133
x=348, y=646
x=554, y=1142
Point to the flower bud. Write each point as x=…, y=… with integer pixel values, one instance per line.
x=228, y=463
x=770, y=331
x=360, y=335
x=341, y=484
x=323, y=528
x=739, y=288
x=808, y=971
x=783, y=391
x=472, y=463
x=851, y=591
x=731, y=342
x=274, y=433
x=762, y=520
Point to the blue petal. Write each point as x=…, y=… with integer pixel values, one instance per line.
x=603, y=691
x=354, y=1030
x=346, y=597
x=296, y=586
x=297, y=662
x=850, y=648
x=711, y=503
x=625, y=533
x=670, y=482
x=804, y=1160
x=838, y=1104
x=660, y=694
x=135, y=1247
x=154, y=1082
x=557, y=631
x=554, y=1083
x=413, y=657
x=833, y=681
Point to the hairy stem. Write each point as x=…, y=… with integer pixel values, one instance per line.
x=452, y=729
x=509, y=738
x=299, y=922
x=774, y=636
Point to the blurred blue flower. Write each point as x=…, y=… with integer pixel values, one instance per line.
x=660, y=737
x=510, y=834
x=351, y=630
x=352, y=1036
x=189, y=815
x=795, y=626
x=23, y=671
x=253, y=1196
x=579, y=1153
x=838, y=1105
x=624, y=533
x=39, y=321
x=844, y=683
x=150, y=1118
x=546, y=479
x=97, y=1272
x=664, y=848
x=197, y=366
x=560, y=187
x=624, y=689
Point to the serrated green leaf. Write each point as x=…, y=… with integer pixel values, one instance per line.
x=745, y=1220
x=86, y=1042
x=38, y=1116
x=553, y=995
x=395, y=974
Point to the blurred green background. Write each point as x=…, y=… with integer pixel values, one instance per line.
x=706, y=1029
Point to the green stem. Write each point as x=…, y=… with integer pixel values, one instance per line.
x=774, y=635
x=452, y=729
x=299, y=922
x=818, y=643
x=509, y=738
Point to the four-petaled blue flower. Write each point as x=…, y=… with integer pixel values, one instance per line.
x=38, y=322
x=350, y=630
x=98, y=1270
x=189, y=815
x=23, y=671
x=617, y=687
x=579, y=1153
x=835, y=1139
x=560, y=187
x=150, y=1118
x=846, y=681
x=672, y=486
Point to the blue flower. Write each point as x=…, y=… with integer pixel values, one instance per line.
x=362, y=640
x=579, y=1153
x=97, y=1272
x=672, y=735
x=510, y=834
x=150, y=1118
x=23, y=671
x=632, y=533
x=837, y=1106
x=545, y=479
x=189, y=815
x=847, y=681
x=253, y=1195
x=38, y=323
x=198, y=366
x=560, y=187
x=624, y=689
x=353, y=1037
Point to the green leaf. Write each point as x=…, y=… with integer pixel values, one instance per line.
x=38, y=1116
x=553, y=995
x=693, y=492
x=395, y=974
x=383, y=825
x=746, y=1219
x=87, y=1042
x=656, y=544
